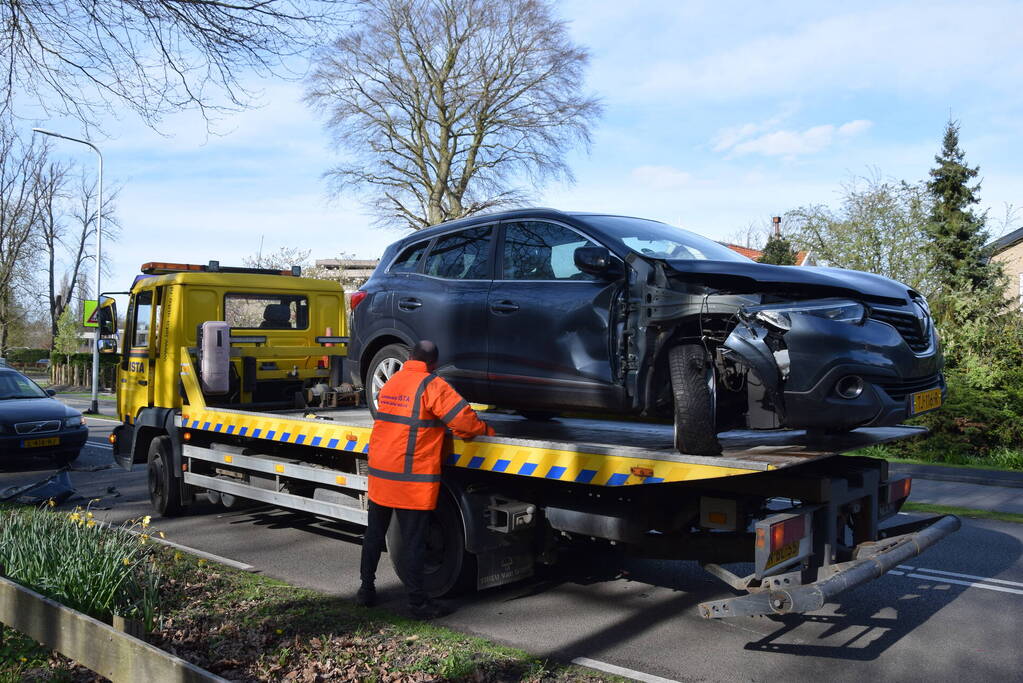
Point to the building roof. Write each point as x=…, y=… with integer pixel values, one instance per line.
x=755, y=254
x=1006, y=241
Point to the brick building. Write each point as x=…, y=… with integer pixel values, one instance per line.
x=1008, y=250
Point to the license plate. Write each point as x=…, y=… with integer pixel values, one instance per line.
x=926, y=400
x=36, y=443
x=786, y=552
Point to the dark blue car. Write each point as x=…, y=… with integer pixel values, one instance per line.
x=32, y=422
x=544, y=311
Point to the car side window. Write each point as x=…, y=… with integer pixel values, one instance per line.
x=408, y=260
x=464, y=255
x=534, y=250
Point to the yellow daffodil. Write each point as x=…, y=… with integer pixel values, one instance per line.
x=202, y=563
x=144, y=538
x=75, y=517
x=125, y=561
x=91, y=523
x=145, y=521
x=178, y=555
x=162, y=535
x=52, y=503
x=279, y=631
x=89, y=515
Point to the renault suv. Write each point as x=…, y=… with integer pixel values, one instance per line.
x=543, y=312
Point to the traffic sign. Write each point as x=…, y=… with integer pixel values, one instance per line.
x=91, y=313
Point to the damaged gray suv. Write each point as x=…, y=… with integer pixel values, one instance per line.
x=544, y=312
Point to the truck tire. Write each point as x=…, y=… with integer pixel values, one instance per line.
x=448, y=568
x=694, y=389
x=385, y=363
x=164, y=487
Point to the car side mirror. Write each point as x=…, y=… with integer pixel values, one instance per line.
x=595, y=261
x=51, y=392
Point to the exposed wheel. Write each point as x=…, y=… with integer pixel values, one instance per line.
x=447, y=567
x=538, y=415
x=164, y=487
x=694, y=389
x=385, y=363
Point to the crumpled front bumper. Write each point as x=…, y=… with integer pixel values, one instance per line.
x=818, y=353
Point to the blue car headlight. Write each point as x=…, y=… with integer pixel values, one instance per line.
x=72, y=422
x=779, y=316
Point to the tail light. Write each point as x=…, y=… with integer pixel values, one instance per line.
x=357, y=297
x=899, y=489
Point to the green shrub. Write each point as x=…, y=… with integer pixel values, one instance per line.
x=93, y=568
x=105, y=359
x=27, y=355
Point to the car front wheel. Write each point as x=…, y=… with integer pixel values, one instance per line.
x=694, y=390
x=385, y=363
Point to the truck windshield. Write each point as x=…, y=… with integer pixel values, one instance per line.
x=660, y=240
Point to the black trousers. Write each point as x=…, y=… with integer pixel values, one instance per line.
x=413, y=525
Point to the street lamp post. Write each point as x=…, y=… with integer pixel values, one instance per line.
x=94, y=407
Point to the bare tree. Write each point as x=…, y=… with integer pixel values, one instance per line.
x=281, y=259
x=441, y=105
x=82, y=57
x=20, y=166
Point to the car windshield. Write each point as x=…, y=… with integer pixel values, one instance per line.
x=660, y=240
x=16, y=385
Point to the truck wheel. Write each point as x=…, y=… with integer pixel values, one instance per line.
x=164, y=487
x=447, y=567
x=694, y=388
x=385, y=363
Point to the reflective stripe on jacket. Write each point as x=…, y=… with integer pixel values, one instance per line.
x=405, y=449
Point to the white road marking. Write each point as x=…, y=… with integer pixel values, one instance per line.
x=969, y=584
x=620, y=671
x=961, y=576
x=95, y=444
x=102, y=419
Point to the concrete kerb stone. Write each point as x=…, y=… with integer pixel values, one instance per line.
x=963, y=475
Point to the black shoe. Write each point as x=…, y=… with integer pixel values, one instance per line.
x=366, y=597
x=429, y=610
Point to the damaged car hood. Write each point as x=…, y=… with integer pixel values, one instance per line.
x=801, y=282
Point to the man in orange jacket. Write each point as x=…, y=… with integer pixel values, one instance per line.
x=413, y=407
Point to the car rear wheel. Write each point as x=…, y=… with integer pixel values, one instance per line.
x=385, y=363
x=694, y=389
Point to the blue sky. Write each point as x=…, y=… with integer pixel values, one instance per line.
x=717, y=115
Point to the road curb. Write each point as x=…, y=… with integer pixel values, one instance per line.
x=963, y=475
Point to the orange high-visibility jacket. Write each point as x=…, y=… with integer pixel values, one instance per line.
x=408, y=437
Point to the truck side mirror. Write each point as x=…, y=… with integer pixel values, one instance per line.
x=107, y=346
x=596, y=261
x=107, y=317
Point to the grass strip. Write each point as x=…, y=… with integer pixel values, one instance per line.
x=973, y=513
x=248, y=627
x=1008, y=461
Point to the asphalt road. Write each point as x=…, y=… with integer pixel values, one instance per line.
x=955, y=614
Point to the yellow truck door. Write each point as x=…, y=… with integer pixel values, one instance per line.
x=141, y=342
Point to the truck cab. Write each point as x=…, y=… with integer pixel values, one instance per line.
x=285, y=334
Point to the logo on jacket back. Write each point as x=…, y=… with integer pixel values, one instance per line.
x=394, y=400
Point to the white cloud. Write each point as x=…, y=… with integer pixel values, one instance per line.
x=788, y=144
x=661, y=177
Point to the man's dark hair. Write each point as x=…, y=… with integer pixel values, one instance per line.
x=425, y=351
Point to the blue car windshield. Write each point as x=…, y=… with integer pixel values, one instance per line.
x=16, y=385
x=660, y=240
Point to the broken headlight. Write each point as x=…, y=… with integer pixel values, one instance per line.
x=779, y=316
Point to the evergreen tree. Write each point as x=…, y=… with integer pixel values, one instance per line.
x=778, y=251
x=957, y=234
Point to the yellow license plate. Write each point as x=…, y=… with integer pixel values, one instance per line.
x=926, y=400
x=786, y=552
x=35, y=443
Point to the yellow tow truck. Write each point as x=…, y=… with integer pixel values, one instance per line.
x=230, y=387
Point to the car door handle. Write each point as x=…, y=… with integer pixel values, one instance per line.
x=409, y=304
x=504, y=307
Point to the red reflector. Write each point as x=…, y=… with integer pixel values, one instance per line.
x=900, y=489
x=357, y=297
x=789, y=531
